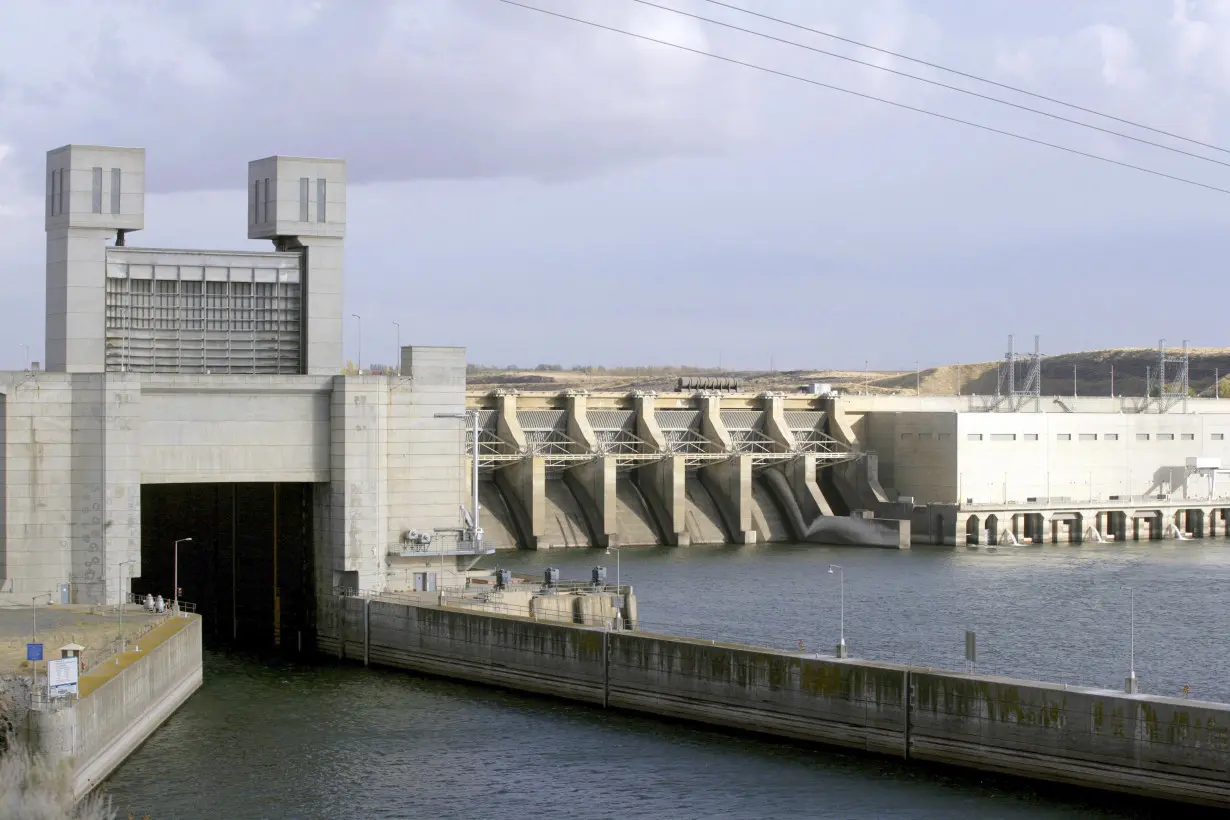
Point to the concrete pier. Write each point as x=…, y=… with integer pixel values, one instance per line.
x=1139, y=744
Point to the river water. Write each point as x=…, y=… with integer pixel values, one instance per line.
x=268, y=737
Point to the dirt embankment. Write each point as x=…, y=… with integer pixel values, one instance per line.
x=1132, y=367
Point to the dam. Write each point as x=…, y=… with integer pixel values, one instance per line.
x=603, y=469
x=194, y=423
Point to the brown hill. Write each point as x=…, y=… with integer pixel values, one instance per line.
x=1132, y=366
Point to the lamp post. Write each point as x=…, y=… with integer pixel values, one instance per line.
x=609, y=550
x=34, y=635
x=1129, y=685
x=175, y=603
x=398, y=359
x=477, y=532
x=841, y=575
x=123, y=599
x=359, y=353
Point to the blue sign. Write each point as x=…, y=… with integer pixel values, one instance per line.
x=34, y=651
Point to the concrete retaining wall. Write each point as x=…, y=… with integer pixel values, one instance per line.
x=100, y=730
x=1159, y=747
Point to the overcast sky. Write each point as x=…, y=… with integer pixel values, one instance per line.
x=540, y=191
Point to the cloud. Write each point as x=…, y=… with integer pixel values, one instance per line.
x=407, y=90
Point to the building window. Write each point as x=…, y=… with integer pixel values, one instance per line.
x=1218, y=436
x=256, y=202
x=1003, y=437
x=1064, y=437
x=924, y=436
x=1165, y=436
x=320, y=200
x=266, y=204
x=1087, y=437
x=116, y=179
x=304, y=185
x=944, y=436
x=1188, y=436
x=905, y=436
x=1142, y=436
x=1031, y=436
x=96, y=190
x=57, y=190
x=973, y=437
x=1110, y=436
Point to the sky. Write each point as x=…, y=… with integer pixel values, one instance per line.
x=541, y=191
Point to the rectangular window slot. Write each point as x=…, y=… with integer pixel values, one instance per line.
x=1031, y=436
x=265, y=206
x=905, y=436
x=944, y=436
x=1142, y=436
x=1064, y=437
x=1165, y=436
x=116, y=183
x=96, y=190
x=1218, y=436
x=320, y=200
x=973, y=437
x=924, y=436
x=1003, y=437
x=256, y=202
x=304, y=185
x=1110, y=437
x=1188, y=436
x=1087, y=437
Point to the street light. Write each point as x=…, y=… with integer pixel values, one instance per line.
x=1129, y=685
x=477, y=532
x=398, y=359
x=175, y=602
x=34, y=635
x=360, y=351
x=123, y=600
x=841, y=574
x=608, y=552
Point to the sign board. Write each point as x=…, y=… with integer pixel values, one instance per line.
x=62, y=676
x=34, y=651
x=971, y=647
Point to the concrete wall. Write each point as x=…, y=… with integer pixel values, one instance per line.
x=1087, y=455
x=946, y=449
x=234, y=429
x=100, y=730
x=1145, y=745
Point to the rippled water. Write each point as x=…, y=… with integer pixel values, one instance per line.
x=270, y=738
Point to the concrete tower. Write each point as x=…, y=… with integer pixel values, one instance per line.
x=300, y=204
x=94, y=193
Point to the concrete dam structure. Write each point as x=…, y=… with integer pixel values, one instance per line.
x=576, y=470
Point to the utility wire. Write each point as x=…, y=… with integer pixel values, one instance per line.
x=937, y=83
x=872, y=97
x=969, y=76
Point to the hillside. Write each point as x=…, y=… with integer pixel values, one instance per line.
x=1092, y=370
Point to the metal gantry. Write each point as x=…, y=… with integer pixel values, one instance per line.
x=1172, y=375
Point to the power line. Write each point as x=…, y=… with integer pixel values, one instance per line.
x=937, y=83
x=872, y=97
x=969, y=76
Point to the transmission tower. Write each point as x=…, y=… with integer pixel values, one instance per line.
x=1172, y=377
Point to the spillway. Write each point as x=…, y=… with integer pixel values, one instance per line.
x=633, y=516
x=704, y=521
x=565, y=522
x=499, y=528
x=767, y=517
